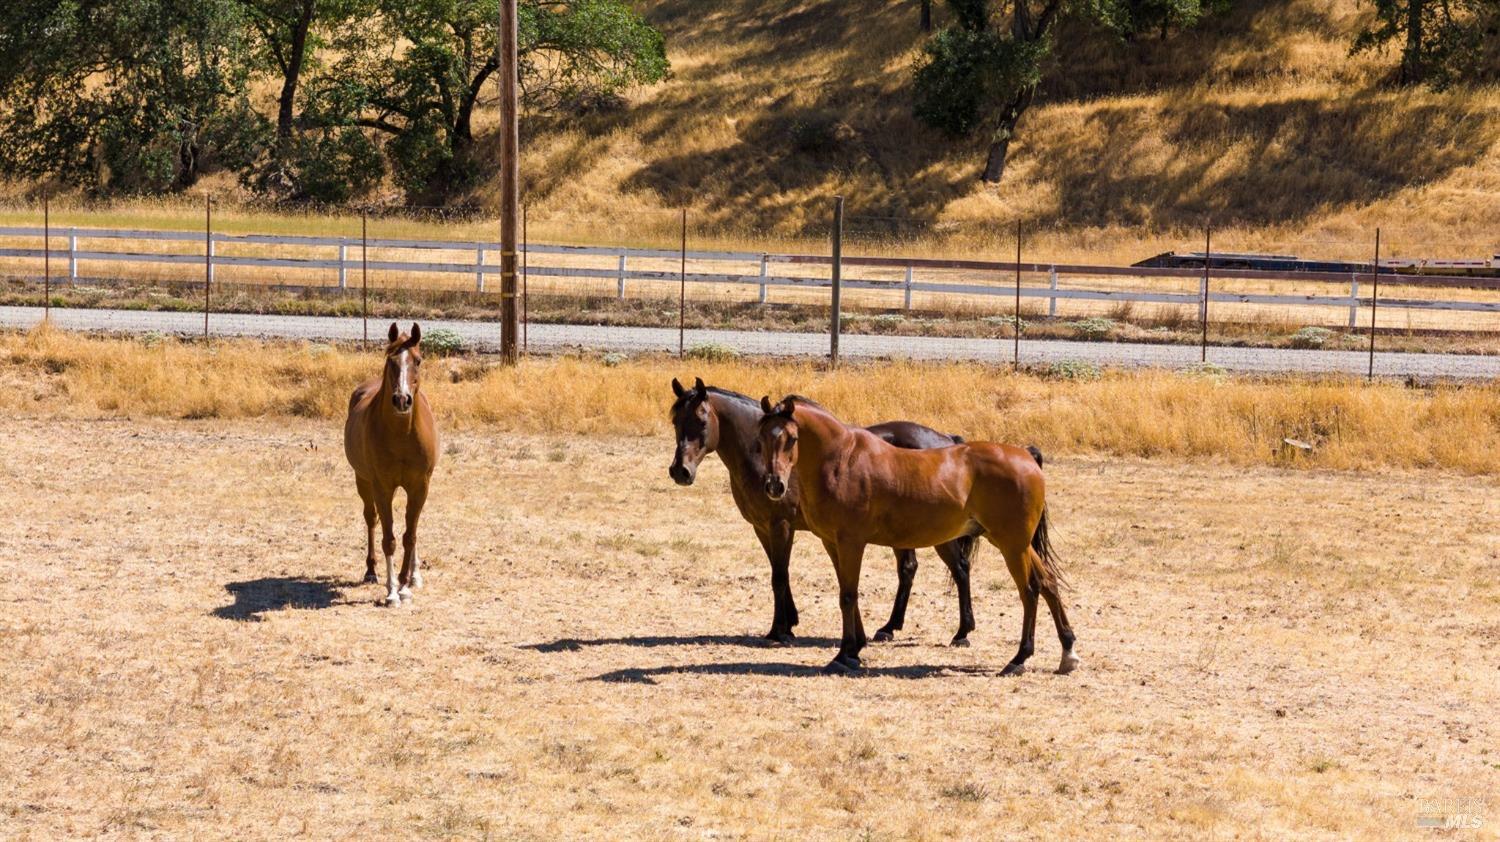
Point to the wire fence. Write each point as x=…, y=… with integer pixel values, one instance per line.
x=894, y=283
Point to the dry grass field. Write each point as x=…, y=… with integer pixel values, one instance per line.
x=1268, y=653
x=1269, y=650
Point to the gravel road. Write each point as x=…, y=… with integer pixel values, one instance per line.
x=486, y=335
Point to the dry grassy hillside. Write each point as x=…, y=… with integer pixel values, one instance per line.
x=1258, y=120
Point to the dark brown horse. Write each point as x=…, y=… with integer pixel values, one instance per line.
x=857, y=490
x=391, y=442
x=709, y=420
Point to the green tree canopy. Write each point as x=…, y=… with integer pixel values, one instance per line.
x=1442, y=41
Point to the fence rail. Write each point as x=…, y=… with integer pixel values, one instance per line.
x=344, y=259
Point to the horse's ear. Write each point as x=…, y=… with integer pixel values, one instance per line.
x=765, y=405
x=416, y=335
x=787, y=405
x=698, y=384
x=677, y=388
x=395, y=331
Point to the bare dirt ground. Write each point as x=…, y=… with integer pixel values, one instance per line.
x=188, y=652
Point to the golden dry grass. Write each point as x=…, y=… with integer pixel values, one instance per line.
x=1237, y=420
x=1267, y=653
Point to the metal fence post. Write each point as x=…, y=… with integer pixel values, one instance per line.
x=343, y=264
x=47, y=259
x=1374, y=303
x=1353, y=300
x=479, y=267
x=620, y=278
x=525, y=277
x=1015, y=325
x=906, y=290
x=838, y=279
x=364, y=273
x=72, y=257
x=1208, y=234
x=1052, y=299
x=763, y=263
x=208, y=256
x=682, y=291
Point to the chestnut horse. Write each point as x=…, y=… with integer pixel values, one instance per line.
x=857, y=489
x=709, y=420
x=391, y=442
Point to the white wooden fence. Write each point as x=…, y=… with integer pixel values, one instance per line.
x=762, y=270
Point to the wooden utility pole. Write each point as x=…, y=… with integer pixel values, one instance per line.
x=510, y=189
x=835, y=328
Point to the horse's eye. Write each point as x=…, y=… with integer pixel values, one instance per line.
x=418, y=362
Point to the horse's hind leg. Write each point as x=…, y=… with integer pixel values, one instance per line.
x=1018, y=561
x=957, y=554
x=906, y=571
x=367, y=496
x=416, y=498
x=1064, y=629
x=387, y=544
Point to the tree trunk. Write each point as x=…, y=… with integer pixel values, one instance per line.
x=1412, y=66
x=994, y=165
x=286, y=105
x=926, y=15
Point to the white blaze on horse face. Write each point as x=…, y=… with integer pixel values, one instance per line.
x=403, y=368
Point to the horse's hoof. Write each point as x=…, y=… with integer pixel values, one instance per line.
x=884, y=636
x=370, y=577
x=776, y=637
x=388, y=601
x=405, y=595
x=843, y=665
x=960, y=643
x=1069, y=663
x=1013, y=668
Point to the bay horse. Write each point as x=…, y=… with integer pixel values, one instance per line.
x=391, y=441
x=856, y=490
x=711, y=420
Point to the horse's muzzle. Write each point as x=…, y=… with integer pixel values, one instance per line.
x=402, y=403
x=775, y=488
x=680, y=474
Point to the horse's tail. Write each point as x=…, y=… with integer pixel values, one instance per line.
x=1050, y=570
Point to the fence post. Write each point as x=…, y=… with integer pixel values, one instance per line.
x=525, y=277
x=72, y=257
x=479, y=267
x=838, y=279
x=1353, y=300
x=1374, y=303
x=343, y=263
x=46, y=258
x=620, y=278
x=906, y=298
x=682, y=291
x=1052, y=299
x=364, y=273
x=1015, y=325
x=208, y=256
x=763, y=262
x=1208, y=235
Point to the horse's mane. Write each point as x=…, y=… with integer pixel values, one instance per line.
x=715, y=390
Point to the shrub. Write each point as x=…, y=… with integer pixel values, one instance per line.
x=1311, y=337
x=712, y=352
x=442, y=341
x=1072, y=370
x=1095, y=327
x=613, y=358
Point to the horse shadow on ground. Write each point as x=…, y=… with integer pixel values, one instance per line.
x=648, y=675
x=256, y=597
x=573, y=644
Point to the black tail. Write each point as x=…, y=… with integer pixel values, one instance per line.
x=1051, y=571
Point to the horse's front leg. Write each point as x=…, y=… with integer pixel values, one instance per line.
x=847, y=559
x=383, y=497
x=777, y=541
x=416, y=497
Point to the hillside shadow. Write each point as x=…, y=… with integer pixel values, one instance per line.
x=256, y=597
x=648, y=675
x=570, y=644
x=1262, y=163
